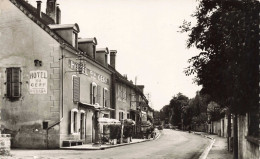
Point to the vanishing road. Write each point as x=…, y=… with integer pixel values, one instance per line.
x=171, y=145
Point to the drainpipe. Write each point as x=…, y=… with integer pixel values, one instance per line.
x=62, y=96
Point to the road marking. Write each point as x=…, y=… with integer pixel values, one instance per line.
x=206, y=151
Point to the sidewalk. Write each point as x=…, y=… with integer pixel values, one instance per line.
x=217, y=149
x=103, y=146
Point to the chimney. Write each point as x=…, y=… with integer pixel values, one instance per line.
x=58, y=17
x=113, y=58
x=141, y=87
x=39, y=6
x=51, y=9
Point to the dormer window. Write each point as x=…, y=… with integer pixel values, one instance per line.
x=69, y=32
x=74, y=39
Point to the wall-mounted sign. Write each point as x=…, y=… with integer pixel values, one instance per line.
x=38, y=82
x=92, y=74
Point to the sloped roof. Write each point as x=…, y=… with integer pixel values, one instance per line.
x=102, y=50
x=87, y=40
x=64, y=26
x=45, y=18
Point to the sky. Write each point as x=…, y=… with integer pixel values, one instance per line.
x=145, y=35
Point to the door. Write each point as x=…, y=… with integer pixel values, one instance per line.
x=82, y=126
x=93, y=128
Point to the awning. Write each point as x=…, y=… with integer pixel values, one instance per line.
x=133, y=110
x=129, y=122
x=106, y=109
x=107, y=121
x=146, y=124
x=96, y=106
x=87, y=105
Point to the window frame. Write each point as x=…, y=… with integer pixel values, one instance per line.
x=105, y=90
x=10, y=84
x=73, y=121
x=93, y=93
x=74, y=76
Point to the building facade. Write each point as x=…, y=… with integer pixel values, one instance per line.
x=53, y=85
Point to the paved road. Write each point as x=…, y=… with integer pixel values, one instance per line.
x=171, y=145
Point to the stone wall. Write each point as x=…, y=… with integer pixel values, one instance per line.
x=5, y=144
x=246, y=148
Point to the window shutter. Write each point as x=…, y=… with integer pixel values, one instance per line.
x=13, y=82
x=107, y=99
x=104, y=97
x=76, y=89
x=91, y=94
x=9, y=82
x=16, y=82
x=71, y=121
x=99, y=95
x=75, y=122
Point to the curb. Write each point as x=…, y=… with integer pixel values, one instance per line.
x=206, y=151
x=112, y=146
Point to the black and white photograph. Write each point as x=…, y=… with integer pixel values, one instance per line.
x=129, y=79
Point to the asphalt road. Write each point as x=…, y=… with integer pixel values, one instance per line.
x=171, y=145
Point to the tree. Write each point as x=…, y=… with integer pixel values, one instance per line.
x=227, y=34
x=177, y=105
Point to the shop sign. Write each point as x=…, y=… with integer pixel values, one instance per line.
x=92, y=74
x=38, y=82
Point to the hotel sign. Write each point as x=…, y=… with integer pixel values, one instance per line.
x=38, y=82
x=92, y=74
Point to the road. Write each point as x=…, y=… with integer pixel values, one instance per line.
x=171, y=145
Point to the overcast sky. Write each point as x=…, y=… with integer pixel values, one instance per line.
x=144, y=32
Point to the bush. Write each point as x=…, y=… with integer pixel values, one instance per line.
x=128, y=131
x=160, y=127
x=115, y=131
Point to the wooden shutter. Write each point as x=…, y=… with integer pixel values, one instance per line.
x=107, y=99
x=16, y=82
x=13, y=82
x=91, y=94
x=99, y=95
x=9, y=82
x=71, y=121
x=104, y=97
x=76, y=89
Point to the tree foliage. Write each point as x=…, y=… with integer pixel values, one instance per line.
x=177, y=104
x=227, y=34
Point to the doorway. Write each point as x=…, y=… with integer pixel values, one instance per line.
x=82, y=125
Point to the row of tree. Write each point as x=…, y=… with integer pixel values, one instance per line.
x=189, y=114
x=227, y=33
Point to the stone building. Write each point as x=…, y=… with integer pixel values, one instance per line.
x=128, y=99
x=53, y=86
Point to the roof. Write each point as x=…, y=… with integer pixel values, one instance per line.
x=65, y=26
x=87, y=40
x=45, y=18
x=122, y=79
x=102, y=50
x=31, y=13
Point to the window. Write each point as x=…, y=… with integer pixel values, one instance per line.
x=106, y=98
x=93, y=93
x=128, y=116
x=76, y=89
x=73, y=120
x=13, y=82
x=74, y=39
x=121, y=115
